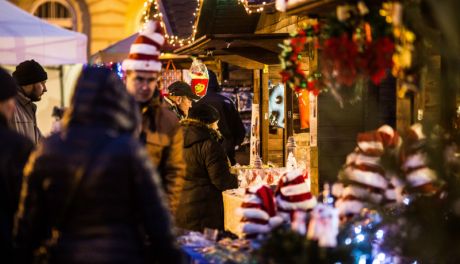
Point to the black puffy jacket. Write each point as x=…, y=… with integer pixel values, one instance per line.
x=118, y=203
x=207, y=175
x=230, y=124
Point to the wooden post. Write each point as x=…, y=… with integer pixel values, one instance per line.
x=264, y=114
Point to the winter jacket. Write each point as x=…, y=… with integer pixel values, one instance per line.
x=163, y=139
x=14, y=152
x=117, y=208
x=230, y=124
x=207, y=176
x=171, y=106
x=24, y=120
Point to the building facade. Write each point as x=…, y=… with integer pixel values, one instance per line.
x=103, y=21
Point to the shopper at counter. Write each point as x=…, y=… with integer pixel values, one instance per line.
x=230, y=124
x=207, y=173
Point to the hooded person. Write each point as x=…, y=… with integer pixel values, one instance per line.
x=230, y=124
x=208, y=172
x=161, y=133
x=14, y=151
x=31, y=78
x=93, y=184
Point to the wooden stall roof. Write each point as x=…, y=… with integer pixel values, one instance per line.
x=261, y=48
x=178, y=16
x=313, y=7
x=225, y=17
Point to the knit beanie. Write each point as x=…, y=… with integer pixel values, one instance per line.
x=204, y=113
x=29, y=72
x=8, y=87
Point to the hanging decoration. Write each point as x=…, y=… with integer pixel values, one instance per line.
x=293, y=69
x=152, y=11
x=199, y=77
x=357, y=46
x=258, y=6
x=404, y=68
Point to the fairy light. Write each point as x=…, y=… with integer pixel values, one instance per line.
x=171, y=39
x=257, y=7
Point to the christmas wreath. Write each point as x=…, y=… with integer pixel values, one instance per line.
x=293, y=72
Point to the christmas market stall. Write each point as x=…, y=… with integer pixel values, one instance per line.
x=376, y=74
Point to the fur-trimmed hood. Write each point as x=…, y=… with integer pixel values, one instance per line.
x=196, y=131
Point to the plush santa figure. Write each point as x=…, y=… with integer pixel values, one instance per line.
x=258, y=211
x=324, y=225
x=293, y=193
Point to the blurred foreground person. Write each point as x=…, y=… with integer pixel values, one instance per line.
x=230, y=124
x=14, y=151
x=208, y=172
x=90, y=192
x=161, y=132
x=31, y=78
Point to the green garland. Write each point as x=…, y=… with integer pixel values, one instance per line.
x=303, y=41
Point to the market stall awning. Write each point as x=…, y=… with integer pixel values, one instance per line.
x=119, y=51
x=261, y=48
x=24, y=37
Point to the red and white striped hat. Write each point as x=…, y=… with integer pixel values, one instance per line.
x=258, y=211
x=415, y=161
x=366, y=178
x=293, y=193
x=144, y=54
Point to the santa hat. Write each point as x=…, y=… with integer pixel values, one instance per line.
x=364, y=174
x=415, y=162
x=293, y=193
x=258, y=211
x=144, y=53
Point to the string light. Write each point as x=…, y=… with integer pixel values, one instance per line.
x=257, y=6
x=170, y=39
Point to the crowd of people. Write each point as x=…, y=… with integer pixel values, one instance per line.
x=125, y=170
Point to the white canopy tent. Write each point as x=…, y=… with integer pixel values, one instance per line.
x=24, y=36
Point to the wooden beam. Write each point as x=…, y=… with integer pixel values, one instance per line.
x=313, y=7
x=264, y=114
x=241, y=62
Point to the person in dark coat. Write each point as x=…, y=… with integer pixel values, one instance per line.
x=118, y=203
x=230, y=124
x=14, y=152
x=207, y=173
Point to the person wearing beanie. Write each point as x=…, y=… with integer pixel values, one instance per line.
x=14, y=152
x=208, y=172
x=230, y=124
x=31, y=78
x=180, y=98
x=161, y=132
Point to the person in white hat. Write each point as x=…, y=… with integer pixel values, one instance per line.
x=161, y=132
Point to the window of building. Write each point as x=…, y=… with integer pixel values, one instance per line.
x=59, y=13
